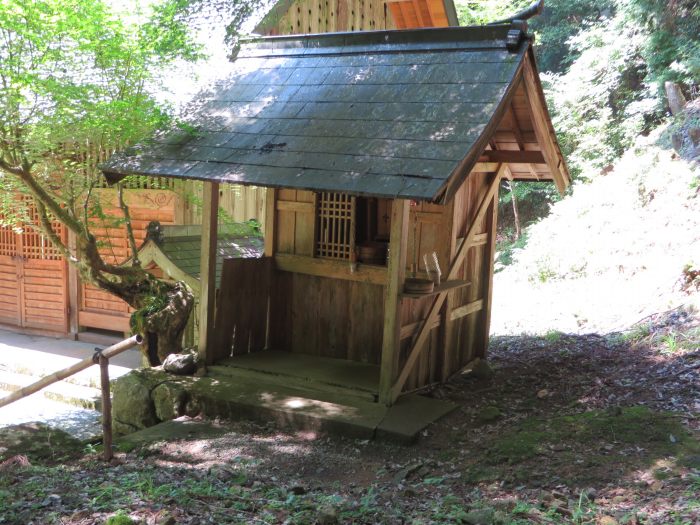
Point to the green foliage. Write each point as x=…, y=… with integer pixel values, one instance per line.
x=672, y=48
x=471, y=12
x=505, y=249
x=561, y=21
x=602, y=103
x=153, y=303
x=78, y=80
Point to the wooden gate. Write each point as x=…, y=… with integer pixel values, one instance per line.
x=33, y=281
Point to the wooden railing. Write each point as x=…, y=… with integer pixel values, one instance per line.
x=100, y=357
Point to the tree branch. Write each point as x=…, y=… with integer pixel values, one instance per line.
x=129, y=229
x=47, y=229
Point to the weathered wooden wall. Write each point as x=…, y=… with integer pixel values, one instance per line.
x=330, y=16
x=320, y=308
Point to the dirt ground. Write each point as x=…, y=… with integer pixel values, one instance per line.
x=560, y=429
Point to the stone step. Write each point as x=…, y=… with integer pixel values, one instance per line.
x=228, y=397
x=63, y=392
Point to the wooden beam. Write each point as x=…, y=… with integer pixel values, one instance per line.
x=409, y=330
x=488, y=282
x=514, y=157
x=391, y=339
x=467, y=309
x=270, y=219
x=518, y=134
x=331, y=268
x=210, y=222
x=485, y=167
x=540, y=123
x=424, y=331
x=297, y=207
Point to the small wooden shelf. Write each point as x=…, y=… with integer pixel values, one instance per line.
x=443, y=287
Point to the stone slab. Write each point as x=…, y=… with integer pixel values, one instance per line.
x=411, y=414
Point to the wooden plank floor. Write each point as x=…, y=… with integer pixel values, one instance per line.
x=306, y=370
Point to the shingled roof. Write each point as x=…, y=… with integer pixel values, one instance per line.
x=382, y=113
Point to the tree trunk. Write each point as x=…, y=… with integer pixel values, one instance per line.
x=516, y=212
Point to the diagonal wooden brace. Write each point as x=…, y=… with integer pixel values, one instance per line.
x=425, y=326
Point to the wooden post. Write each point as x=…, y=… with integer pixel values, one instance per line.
x=488, y=281
x=270, y=206
x=73, y=291
x=207, y=270
x=392, y=303
x=427, y=323
x=106, y=407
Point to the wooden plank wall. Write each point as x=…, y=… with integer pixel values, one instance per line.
x=319, y=315
x=327, y=317
x=9, y=291
x=241, y=321
x=330, y=16
x=342, y=318
x=33, y=281
x=418, y=13
x=428, y=227
x=100, y=309
x=467, y=337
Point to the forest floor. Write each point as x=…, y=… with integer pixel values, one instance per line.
x=566, y=429
x=589, y=412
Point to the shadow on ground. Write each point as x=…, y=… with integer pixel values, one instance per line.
x=566, y=429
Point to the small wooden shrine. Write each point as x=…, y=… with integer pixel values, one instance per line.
x=377, y=148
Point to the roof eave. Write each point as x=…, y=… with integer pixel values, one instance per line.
x=460, y=174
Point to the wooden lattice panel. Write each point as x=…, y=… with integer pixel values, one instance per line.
x=8, y=241
x=336, y=222
x=37, y=246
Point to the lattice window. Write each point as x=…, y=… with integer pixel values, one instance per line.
x=8, y=241
x=336, y=225
x=37, y=246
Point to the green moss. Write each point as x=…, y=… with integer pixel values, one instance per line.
x=516, y=447
x=120, y=518
x=489, y=414
x=478, y=473
x=656, y=432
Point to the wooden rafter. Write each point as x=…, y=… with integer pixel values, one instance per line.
x=518, y=134
x=540, y=124
x=422, y=335
x=513, y=157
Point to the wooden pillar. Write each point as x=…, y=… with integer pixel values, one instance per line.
x=392, y=302
x=492, y=225
x=210, y=221
x=269, y=228
x=73, y=291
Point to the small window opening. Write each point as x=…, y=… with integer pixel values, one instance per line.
x=353, y=228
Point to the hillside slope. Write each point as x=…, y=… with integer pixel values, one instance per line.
x=620, y=248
